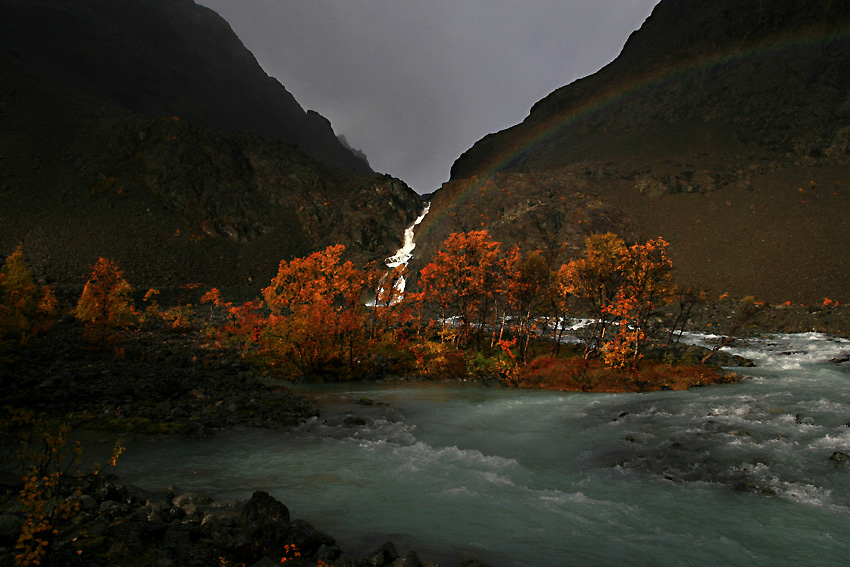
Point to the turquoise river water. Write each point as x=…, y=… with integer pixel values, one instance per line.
x=718, y=476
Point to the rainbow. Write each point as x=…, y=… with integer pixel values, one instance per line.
x=529, y=136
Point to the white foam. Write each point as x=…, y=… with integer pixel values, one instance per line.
x=837, y=442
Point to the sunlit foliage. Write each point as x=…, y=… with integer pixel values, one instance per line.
x=462, y=283
x=107, y=298
x=476, y=313
x=51, y=474
x=619, y=286
x=26, y=308
x=318, y=316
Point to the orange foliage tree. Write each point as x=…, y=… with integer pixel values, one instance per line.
x=619, y=284
x=525, y=278
x=25, y=307
x=594, y=280
x=462, y=282
x=648, y=285
x=107, y=297
x=318, y=316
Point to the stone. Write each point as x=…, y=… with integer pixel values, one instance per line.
x=195, y=430
x=10, y=527
x=411, y=559
x=265, y=522
x=195, y=498
x=263, y=507
x=307, y=538
x=381, y=557
x=840, y=457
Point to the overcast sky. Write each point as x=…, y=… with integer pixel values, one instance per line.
x=414, y=83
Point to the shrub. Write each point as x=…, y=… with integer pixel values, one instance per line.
x=52, y=474
x=106, y=301
x=26, y=308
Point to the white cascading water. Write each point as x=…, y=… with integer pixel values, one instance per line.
x=405, y=253
x=749, y=474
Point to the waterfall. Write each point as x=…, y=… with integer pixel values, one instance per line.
x=405, y=253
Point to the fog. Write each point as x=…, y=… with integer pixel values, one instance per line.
x=414, y=84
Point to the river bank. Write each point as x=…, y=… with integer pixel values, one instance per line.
x=166, y=381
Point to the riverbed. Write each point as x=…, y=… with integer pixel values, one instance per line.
x=743, y=474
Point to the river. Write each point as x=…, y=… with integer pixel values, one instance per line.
x=724, y=475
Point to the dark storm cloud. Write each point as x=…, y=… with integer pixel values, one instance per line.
x=414, y=83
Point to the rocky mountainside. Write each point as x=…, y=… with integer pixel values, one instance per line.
x=722, y=126
x=165, y=58
x=171, y=195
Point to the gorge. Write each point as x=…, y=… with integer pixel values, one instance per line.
x=722, y=126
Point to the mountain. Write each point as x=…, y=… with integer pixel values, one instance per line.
x=143, y=131
x=722, y=126
x=165, y=58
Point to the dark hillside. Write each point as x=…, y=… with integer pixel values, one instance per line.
x=164, y=58
x=722, y=126
x=171, y=200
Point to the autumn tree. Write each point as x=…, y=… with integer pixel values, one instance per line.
x=52, y=476
x=317, y=310
x=524, y=280
x=647, y=285
x=106, y=300
x=594, y=280
x=25, y=307
x=462, y=282
x=619, y=286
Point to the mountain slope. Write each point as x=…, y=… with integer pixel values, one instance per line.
x=172, y=200
x=722, y=126
x=164, y=58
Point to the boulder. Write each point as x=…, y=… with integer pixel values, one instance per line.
x=411, y=559
x=10, y=527
x=309, y=540
x=382, y=557
x=265, y=522
x=841, y=458
x=195, y=498
x=263, y=507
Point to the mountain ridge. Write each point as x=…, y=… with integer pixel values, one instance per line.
x=165, y=58
x=172, y=200
x=722, y=126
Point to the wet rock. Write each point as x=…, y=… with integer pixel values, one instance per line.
x=411, y=559
x=749, y=486
x=265, y=522
x=112, y=509
x=804, y=420
x=195, y=498
x=195, y=430
x=10, y=527
x=177, y=538
x=840, y=458
x=263, y=507
x=382, y=557
x=310, y=540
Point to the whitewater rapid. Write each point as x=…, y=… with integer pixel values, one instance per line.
x=404, y=254
x=726, y=475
